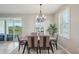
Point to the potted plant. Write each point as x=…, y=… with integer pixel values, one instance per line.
x=52, y=29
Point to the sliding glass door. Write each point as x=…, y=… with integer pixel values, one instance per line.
x=2, y=30
x=17, y=27
x=10, y=28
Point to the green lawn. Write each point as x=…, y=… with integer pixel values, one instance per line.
x=17, y=30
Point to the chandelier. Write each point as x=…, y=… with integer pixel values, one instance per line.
x=40, y=17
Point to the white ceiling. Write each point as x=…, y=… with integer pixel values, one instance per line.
x=28, y=8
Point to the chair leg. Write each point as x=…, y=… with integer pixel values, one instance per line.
x=28, y=51
x=40, y=50
x=24, y=48
x=48, y=50
x=37, y=50
x=27, y=46
x=19, y=47
x=56, y=46
x=51, y=47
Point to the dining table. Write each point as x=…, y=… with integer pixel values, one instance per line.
x=26, y=44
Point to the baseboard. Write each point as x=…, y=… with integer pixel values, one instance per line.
x=64, y=49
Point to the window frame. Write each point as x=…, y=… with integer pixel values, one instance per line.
x=37, y=26
x=61, y=16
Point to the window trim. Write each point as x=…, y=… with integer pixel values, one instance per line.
x=61, y=15
x=37, y=27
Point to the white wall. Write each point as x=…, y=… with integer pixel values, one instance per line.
x=75, y=26
x=29, y=21
x=72, y=44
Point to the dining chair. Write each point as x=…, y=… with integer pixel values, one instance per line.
x=44, y=43
x=41, y=33
x=21, y=41
x=34, y=33
x=54, y=41
x=32, y=43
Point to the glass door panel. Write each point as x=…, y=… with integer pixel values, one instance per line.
x=9, y=29
x=2, y=30
x=17, y=27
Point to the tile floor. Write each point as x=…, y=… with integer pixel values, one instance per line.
x=12, y=48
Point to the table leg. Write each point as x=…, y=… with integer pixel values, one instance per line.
x=24, y=48
x=51, y=47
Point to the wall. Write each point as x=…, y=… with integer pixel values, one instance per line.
x=75, y=25
x=29, y=21
x=72, y=44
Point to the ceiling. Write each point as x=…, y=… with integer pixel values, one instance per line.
x=28, y=8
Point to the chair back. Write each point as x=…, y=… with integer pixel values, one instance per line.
x=20, y=37
x=44, y=41
x=41, y=34
x=32, y=41
x=34, y=34
x=56, y=36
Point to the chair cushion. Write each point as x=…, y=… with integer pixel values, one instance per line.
x=22, y=42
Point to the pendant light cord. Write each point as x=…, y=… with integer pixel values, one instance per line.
x=40, y=10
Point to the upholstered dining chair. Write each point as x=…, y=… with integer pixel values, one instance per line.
x=54, y=41
x=41, y=33
x=34, y=33
x=21, y=41
x=44, y=43
x=33, y=43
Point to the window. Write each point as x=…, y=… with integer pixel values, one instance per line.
x=39, y=27
x=64, y=23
